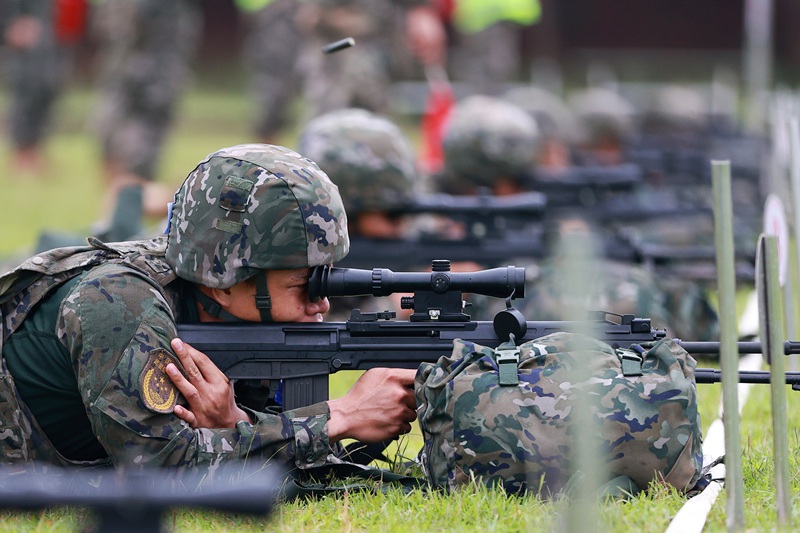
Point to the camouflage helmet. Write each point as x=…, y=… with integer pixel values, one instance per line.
x=365, y=154
x=254, y=207
x=486, y=138
x=553, y=116
x=602, y=114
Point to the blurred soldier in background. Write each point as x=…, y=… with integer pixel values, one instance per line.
x=360, y=76
x=145, y=48
x=558, y=125
x=40, y=35
x=679, y=138
x=487, y=41
x=372, y=162
x=488, y=144
x=478, y=153
x=607, y=122
x=271, y=51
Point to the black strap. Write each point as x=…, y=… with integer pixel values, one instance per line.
x=319, y=481
x=213, y=308
x=363, y=453
x=263, y=300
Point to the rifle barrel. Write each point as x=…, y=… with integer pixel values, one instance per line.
x=713, y=375
x=699, y=347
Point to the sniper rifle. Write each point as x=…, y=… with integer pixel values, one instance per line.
x=301, y=356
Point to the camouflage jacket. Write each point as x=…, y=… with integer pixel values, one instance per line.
x=116, y=324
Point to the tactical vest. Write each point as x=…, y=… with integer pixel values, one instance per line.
x=22, y=441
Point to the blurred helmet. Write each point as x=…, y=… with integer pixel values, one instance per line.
x=366, y=155
x=254, y=207
x=679, y=107
x=486, y=138
x=553, y=117
x=603, y=114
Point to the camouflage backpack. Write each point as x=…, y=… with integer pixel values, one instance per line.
x=506, y=416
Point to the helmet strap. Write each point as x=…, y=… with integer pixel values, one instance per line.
x=213, y=308
x=263, y=300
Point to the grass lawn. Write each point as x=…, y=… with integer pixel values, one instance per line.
x=68, y=197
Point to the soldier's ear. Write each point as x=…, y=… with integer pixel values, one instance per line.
x=222, y=296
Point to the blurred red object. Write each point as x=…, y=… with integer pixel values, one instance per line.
x=437, y=109
x=69, y=20
x=445, y=8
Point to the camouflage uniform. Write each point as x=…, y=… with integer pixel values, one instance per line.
x=487, y=41
x=37, y=75
x=358, y=76
x=116, y=323
x=146, y=46
x=271, y=50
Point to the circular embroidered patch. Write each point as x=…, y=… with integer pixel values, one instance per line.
x=158, y=392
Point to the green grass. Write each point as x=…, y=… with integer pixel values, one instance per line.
x=68, y=196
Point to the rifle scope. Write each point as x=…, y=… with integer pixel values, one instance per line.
x=501, y=282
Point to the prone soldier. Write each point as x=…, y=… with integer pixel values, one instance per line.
x=89, y=347
x=486, y=145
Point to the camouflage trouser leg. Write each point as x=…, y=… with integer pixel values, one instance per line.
x=147, y=48
x=357, y=78
x=271, y=52
x=37, y=76
x=487, y=60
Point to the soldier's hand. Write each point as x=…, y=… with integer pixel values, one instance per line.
x=379, y=406
x=206, y=388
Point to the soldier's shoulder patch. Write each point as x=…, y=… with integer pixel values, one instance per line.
x=159, y=394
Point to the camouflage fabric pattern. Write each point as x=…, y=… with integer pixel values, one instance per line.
x=366, y=155
x=36, y=75
x=270, y=51
x=359, y=76
x=522, y=436
x=122, y=311
x=254, y=207
x=146, y=49
x=486, y=138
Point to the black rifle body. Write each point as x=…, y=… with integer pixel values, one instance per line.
x=304, y=355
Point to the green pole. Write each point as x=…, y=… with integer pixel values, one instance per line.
x=576, y=254
x=791, y=279
x=771, y=321
x=729, y=351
